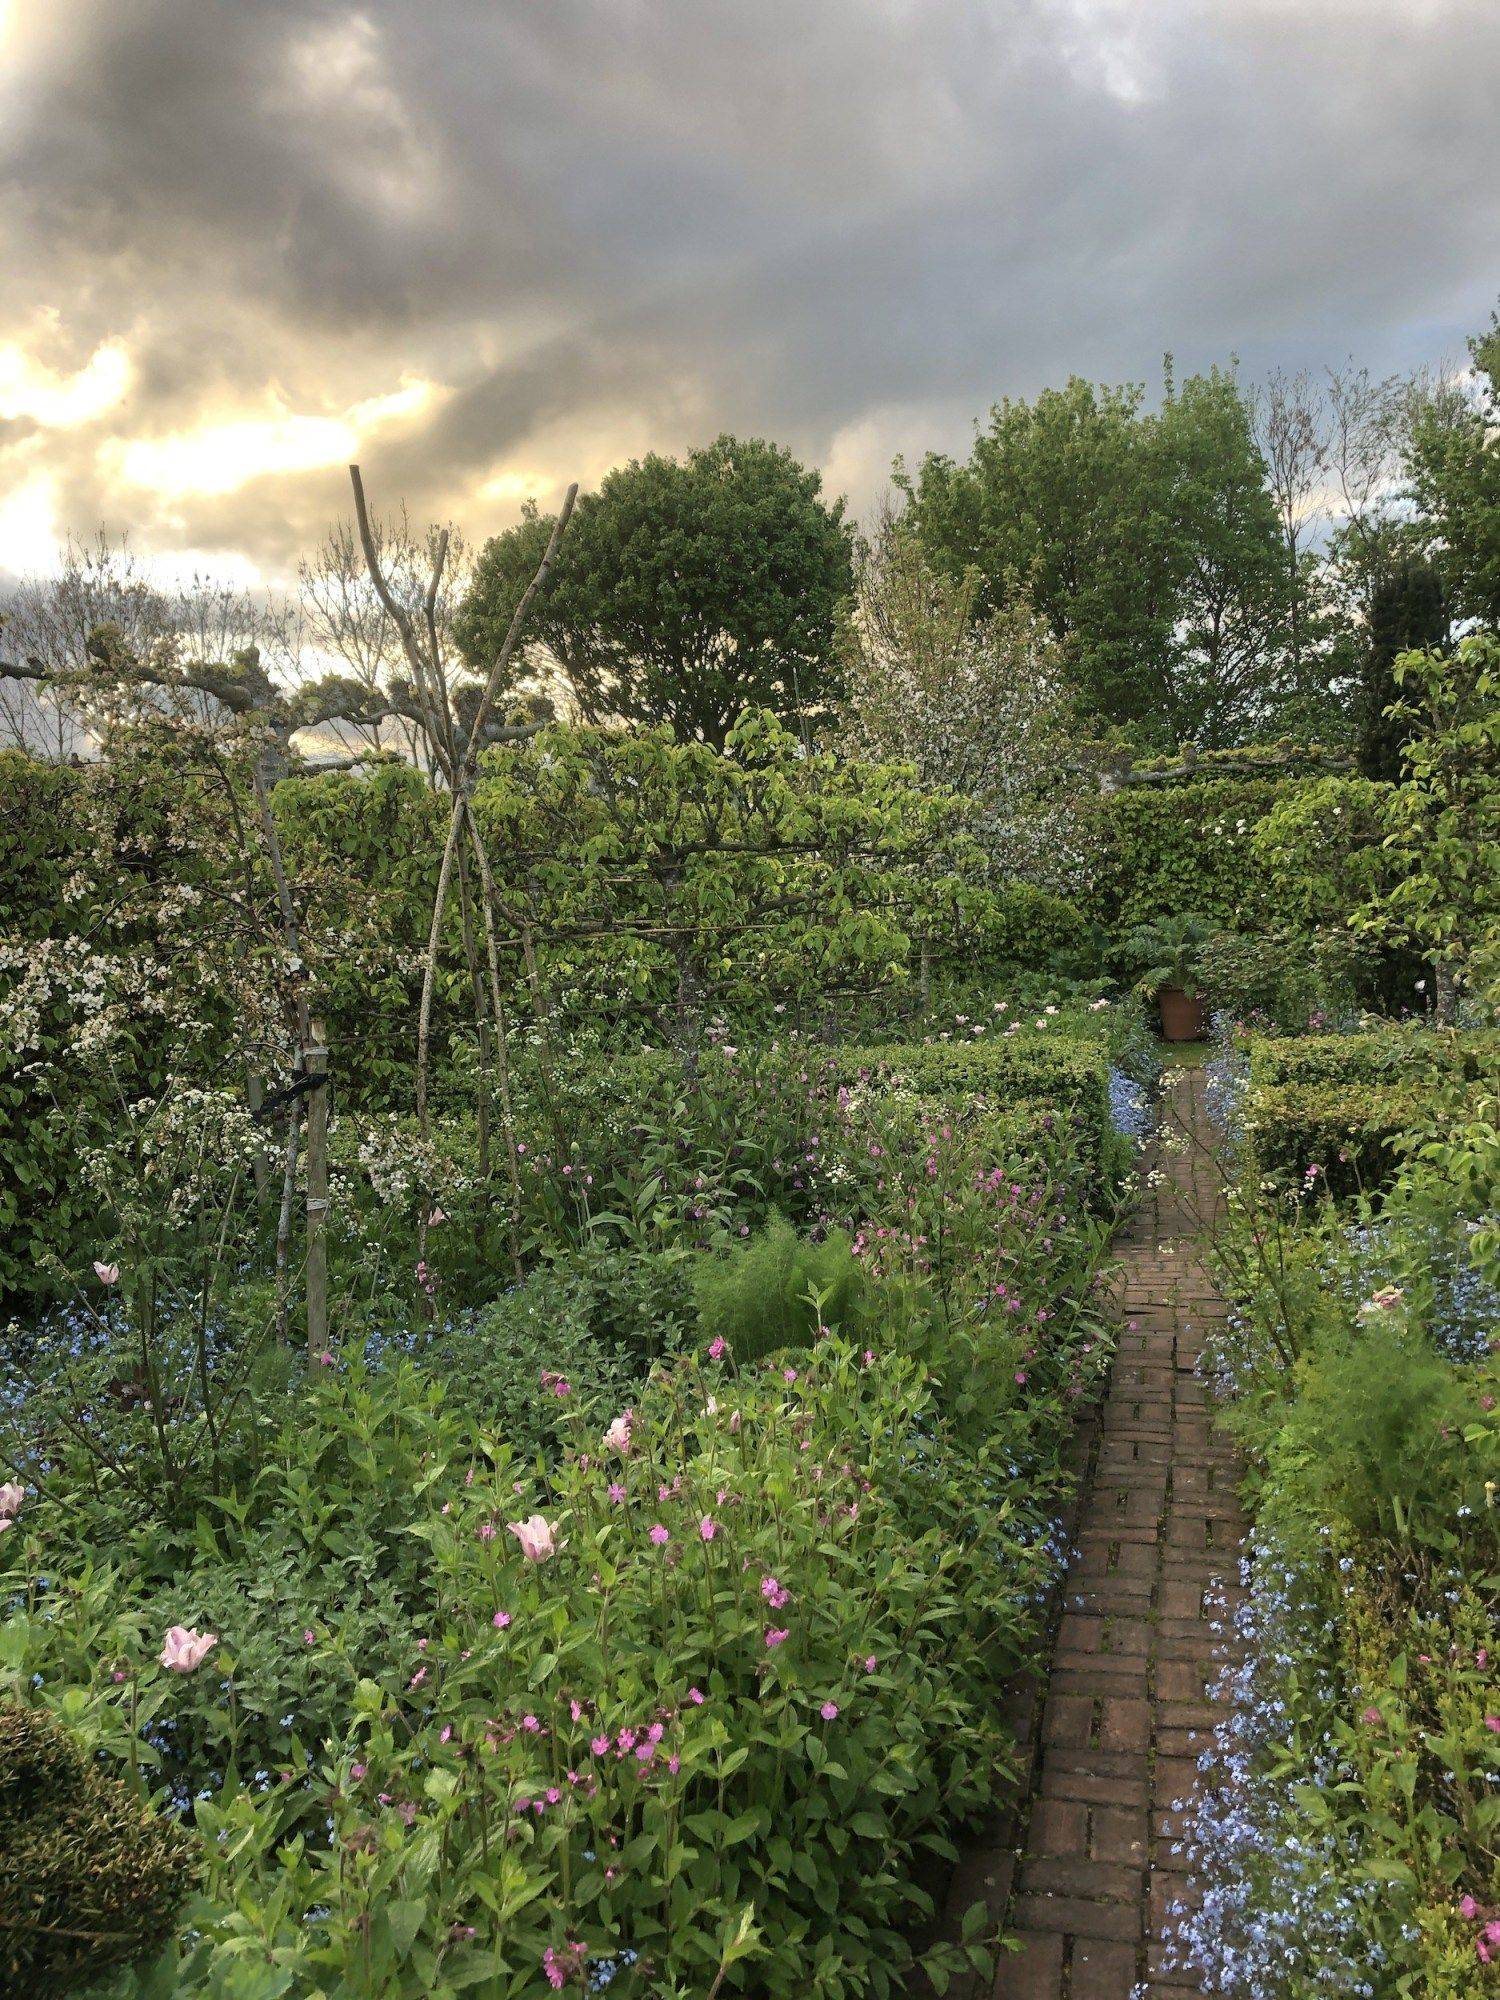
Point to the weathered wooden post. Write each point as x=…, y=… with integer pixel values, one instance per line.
x=316, y=1063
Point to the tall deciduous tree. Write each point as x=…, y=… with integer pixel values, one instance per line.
x=1148, y=542
x=688, y=591
x=1453, y=462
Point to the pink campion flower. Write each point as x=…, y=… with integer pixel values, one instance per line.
x=537, y=1536
x=708, y=1527
x=1492, y=1724
x=107, y=1274
x=616, y=1492
x=788, y=1374
x=774, y=1592
x=486, y=1531
x=659, y=1534
x=12, y=1497
x=325, y=1359
x=674, y=1765
x=500, y=1620
x=716, y=1347
x=775, y=1637
x=1372, y=1716
x=695, y=1696
x=1021, y=1375
x=617, y=1437
x=183, y=1649
x=1468, y=1909
x=869, y=1357
x=417, y=1678
x=871, y=1663
x=555, y=1384
x=599, y=1745
x=829, y=1711
x=309, y=1637
x=357, y=1771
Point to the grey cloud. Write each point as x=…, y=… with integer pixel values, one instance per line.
x=594, y=219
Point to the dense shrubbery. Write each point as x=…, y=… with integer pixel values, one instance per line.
x=1355, y=1821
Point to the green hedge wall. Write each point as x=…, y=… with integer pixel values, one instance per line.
x=1339, y=1103
x=1185, y=848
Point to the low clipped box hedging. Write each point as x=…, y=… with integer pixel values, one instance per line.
x=1330, y=1109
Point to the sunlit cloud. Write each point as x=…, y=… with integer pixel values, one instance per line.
x=31, y=390
x=219, y=458
x=29, y=539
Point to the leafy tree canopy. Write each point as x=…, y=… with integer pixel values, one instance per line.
x=687, y=591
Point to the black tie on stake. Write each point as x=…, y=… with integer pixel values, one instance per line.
x=298, y=1087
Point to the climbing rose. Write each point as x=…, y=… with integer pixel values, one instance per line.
x=536, y=1536
x=183, y=1648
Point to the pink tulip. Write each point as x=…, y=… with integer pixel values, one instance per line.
x=107, y=1274
x=183, y=1649
x=536, y=1536
x=11, y=1497
x=436, y=1219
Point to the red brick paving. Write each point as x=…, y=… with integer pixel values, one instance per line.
x=1091, y=1883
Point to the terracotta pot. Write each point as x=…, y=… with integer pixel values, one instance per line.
x=1184, y=1018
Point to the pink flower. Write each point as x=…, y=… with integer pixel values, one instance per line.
x=1021, y=1375
x=537, y=1536
x=309, y=1637
x=1371, y=1715
x=12, y=1496
x=869, y=1357
x=716, y=1347
x=659, y=1534
x=357, y=1771
x=107, y=1274
x=500, y=1620
x=417, y=1678
x=1492, y=1723
x=183, y=1648
x=708, y=1527
x=486, y=1531
x=829, y=1711
x=617, y=1437
x=776, y=1594
x=599, y=1745
x=871, y=1663
x=616, y=1492
x=1468, y=1908
x=436, y=1219
x=325, y=1359
x=774, y=1638
x=695, y=1696
x=788, y=1374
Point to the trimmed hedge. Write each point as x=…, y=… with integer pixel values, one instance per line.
x=1186, y=847
x=1339, y=1103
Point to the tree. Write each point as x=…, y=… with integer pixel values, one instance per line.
x=1055, y=504
x=1443, y=820
x=1148, y=542
x=1230, y=659
x=1406, y=615
x=976, y=707
x=688, y=592
x=1453, y=464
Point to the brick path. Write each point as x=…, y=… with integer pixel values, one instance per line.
x=1125, y=1713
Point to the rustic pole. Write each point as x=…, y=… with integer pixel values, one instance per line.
x=316, y=1061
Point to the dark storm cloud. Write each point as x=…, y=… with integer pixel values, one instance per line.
x=599, y=225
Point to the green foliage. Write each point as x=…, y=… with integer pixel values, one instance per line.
x=1147, y=541
x=1406, y=615
x=91, y=1877
x=1190, y=846
x=1018, y=924
x=1169, y=952
x=685, y=592
x=778, y=1290
x=1443, y=820
x=1454, y=465
x=1328, y=1113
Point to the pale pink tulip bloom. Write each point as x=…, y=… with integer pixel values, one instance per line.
x=107, y=1274
x=183, y=1648
x=436, y=1219
x=536, y=1536
x=11, y=1497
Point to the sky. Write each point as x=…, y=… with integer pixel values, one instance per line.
x=490, y=246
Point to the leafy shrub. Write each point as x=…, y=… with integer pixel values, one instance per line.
x=91, y=1879
x=775, y=1291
